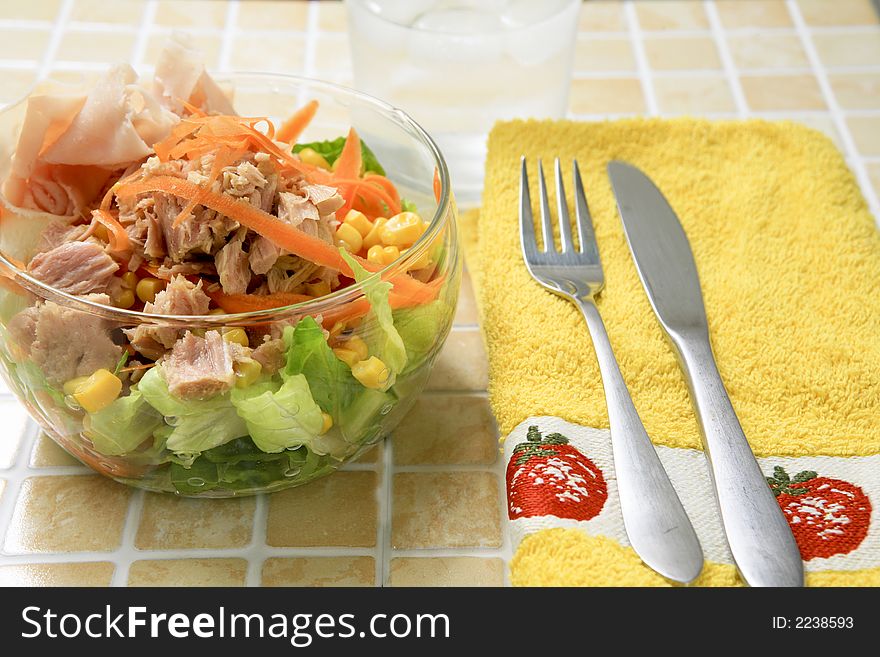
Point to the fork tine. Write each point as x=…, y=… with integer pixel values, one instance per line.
x=565, y=242
x=586, y=234
x=546, y=228
x=526, y=220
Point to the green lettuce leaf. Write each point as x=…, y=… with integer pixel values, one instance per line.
x=308, y=353
x=196, y=425
x=288, y=417
x=422, y=328
x=332, y=149
x=408, y=206
x=123, y=425
x=384, y=341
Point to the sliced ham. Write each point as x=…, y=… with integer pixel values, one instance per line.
x=199, y=368
x=74, y=267
x=180, y=75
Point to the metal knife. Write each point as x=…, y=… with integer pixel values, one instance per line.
x=760, y=540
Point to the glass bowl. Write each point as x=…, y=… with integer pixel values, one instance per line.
x=206, y=449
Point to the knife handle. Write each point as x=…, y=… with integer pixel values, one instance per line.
x=758, y=534
x=655, y=520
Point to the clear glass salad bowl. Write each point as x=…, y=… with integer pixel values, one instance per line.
x=150, y=440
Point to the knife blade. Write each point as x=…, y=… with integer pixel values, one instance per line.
x=760, y=540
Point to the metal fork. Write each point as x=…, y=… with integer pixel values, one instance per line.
x=655, y=521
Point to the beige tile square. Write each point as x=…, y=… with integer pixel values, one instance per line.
x=372, y=455
x=288, y=53
x=15, y=422
x=320, y=571
x=332, y=17
x=332, y=53
x=188, y=572
x=753, y=13
x=209, y=44
x=461, y=364
x=838, y=12
x=856, y=91
x=445, y=509
x=272, y=15
x=692, y=94
x=47, y=454
x=447, y=430
x=672, y=15
x=169, y=522
x=105, y=47
x=618, y=96
x=93, y=573
x=593, y=54
x=782, y=92
x=128, y=12
x=602, y=16
x=23, y=44
x=874, y=175
x=44, y=10
x=466, y=311
x=446, y=571
x=181, y=14
x=666, y=54
x=17, y=84
x=337, y=510
x=865, y=131
x=848, y=48
x=75, y=513
x=767, y=51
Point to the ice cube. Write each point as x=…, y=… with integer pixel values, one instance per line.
x=455, y=37
x=523, y=13
x=536, y=34
x=402, y=12
x=459, y=21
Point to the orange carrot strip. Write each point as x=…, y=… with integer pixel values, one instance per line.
x=348, y=164
x=222, y=158
x=246, y=303
x=384, y=183
x=438, y=188
x=119, y=242
x=293, y=127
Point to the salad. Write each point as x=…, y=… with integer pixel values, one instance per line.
x=202, y=226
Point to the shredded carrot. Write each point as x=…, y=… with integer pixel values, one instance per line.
x=224, y=157
x=384, y=183
x=438, y=187
x=246, y=303
x=349, y=162
x=119, y=242
x=293, y=127
x=192, y=109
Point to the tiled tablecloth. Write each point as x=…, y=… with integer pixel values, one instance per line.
x=427, y=507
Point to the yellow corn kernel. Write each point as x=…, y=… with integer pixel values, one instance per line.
x=313, y=157
x=372, y=373
x=319, y=289
x=347, y=356
x=336, y=329
x=372, y=238
x=383, y=255
x=402, y=229
x=148, y=288
x=129, y=280
x=358, y=346
x=237, y=335
x=247, y=372
x=217, y=311
x=358, y=221
x=348, y=237
x=98, y=391
x=421, y=262
x=101, y=233
x=73, y=385
x=124, y=299
x=328, y=422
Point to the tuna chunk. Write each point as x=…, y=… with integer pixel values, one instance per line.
x=232, y=267
x=295, y=209
x=65, y=343
x=270, y=355
x=189, y=236
x=57, y=233
x=180, y=297
x=74, y=267
x=199, y=368
x=262, y=255
x=325, y=198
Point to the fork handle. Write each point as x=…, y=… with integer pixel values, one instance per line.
x=655, y=520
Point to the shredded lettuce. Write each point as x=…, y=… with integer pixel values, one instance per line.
x=280, y=419
x=123, y=425
x=330, y=150
x=196, y=425
x=421, y=328
x=384, y=342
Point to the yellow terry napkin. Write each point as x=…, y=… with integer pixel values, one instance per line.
x=789, y=261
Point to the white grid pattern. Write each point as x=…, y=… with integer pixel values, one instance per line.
x=257, y=551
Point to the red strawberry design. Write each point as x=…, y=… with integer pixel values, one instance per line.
x=827, y=516
x=547, y=476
